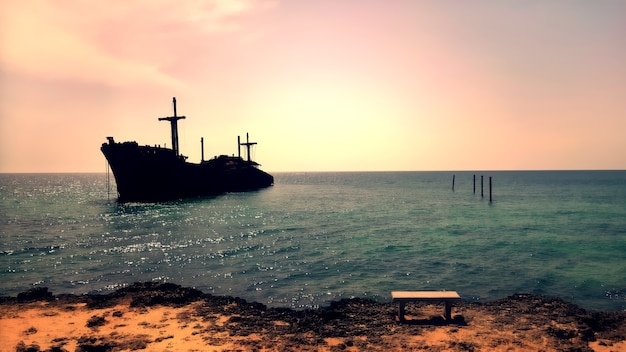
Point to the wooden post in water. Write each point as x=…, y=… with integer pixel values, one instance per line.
x=474, y=183
x=108, y=182
x=453, y=176
x=489, y=189
x=482, y=195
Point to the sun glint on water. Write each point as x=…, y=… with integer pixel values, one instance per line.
x=317, y=237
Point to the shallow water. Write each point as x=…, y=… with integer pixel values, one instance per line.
x=317, y=237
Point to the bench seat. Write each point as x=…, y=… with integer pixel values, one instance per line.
x=403, y=297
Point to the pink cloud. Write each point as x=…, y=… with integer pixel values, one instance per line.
x=114, y=43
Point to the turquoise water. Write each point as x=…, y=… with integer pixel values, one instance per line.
x=317, y=237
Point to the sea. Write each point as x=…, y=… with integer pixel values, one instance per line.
x=317, y=237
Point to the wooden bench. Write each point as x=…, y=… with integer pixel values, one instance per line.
x=402, y=297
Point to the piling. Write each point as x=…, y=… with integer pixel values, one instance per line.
x=474, y=183
x=490, y=199
x=108, y=168
x=481, y=187
x=453, y=176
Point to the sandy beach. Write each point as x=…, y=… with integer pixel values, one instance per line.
x=167, y=317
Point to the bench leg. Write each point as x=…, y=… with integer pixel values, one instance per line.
x=448, y=310
x=401, y=310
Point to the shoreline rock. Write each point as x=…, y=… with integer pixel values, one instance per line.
x=519, y=322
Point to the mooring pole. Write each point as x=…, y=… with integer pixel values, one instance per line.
x=239, y=146
x=453, y=176
x=108, y=183
x=474, y=183
x=489, y=189
x=481, y=187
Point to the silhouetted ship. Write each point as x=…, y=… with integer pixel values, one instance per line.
x=146, y=173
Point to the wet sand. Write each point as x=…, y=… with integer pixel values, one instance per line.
x=167, y=317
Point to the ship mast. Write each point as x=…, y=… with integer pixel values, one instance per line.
x=174, y=123
x=247, y=144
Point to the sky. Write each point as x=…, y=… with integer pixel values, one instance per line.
x=325, y=85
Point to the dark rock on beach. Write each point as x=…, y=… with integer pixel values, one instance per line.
x=35, y=294
x=519, y=322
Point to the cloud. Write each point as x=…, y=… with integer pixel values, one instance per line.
x=115, y=43
x=217, y=15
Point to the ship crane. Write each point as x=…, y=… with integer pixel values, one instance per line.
x=174, y=123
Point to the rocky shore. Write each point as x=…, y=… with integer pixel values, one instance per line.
x=168, y=317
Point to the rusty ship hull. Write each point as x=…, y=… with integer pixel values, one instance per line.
x=147, y=173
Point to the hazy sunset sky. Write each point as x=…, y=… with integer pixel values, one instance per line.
x=324, y=85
